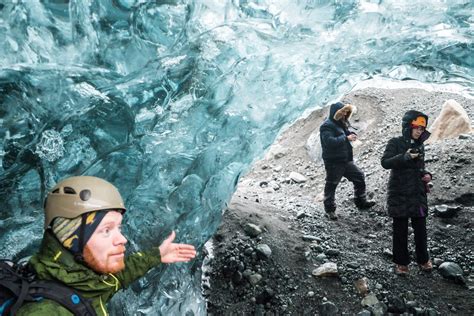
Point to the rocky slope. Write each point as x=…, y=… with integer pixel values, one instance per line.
x=274, y=239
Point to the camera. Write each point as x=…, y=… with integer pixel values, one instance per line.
x=417, y=150
x=428, y=187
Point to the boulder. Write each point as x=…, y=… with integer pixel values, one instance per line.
x=452, y=271
x=451, y=122
x=314, y=149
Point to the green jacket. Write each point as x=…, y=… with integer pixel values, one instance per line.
x=54, y=262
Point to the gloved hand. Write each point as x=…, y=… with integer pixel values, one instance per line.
x=352, y=137
x=411, y=154
x=426, y=178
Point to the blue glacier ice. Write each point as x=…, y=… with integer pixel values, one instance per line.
x=173, y=100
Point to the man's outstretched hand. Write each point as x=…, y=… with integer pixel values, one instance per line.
x=171, y=252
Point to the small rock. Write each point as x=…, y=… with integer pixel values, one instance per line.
x=263, y=184
x=254, y=278
x=437, y=261
x=247, y=273
x=378, y=309
x=321, y=257
x=317, y=248
x=311, y=238
x=263, y=251
x=362, y=286
x=445, y=211
x=387, y=252
x=297, y=177
x=332, y=252
x=396, y=305
x=353, y=265
x=301, y=214
x=431, y=312
x=237, y=277
x=274, y=185
x=328, y=309
x=252, y=230
x=370, y=300
x=417, y=311
x=327, y=269
x=266, y=296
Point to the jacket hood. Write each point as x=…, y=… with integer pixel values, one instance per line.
x=408, y=117
x=54, y=262
x=339, y=110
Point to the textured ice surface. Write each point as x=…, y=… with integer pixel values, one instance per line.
x=173, y=100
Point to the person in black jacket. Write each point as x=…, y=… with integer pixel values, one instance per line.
x=407, y=189
x=338, y=158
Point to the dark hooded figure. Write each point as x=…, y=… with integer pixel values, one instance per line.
x=407, y=189
x=338, y=158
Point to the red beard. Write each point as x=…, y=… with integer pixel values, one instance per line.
x=109, y=266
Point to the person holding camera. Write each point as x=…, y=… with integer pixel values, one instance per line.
x=407, y=190
x=336, y=142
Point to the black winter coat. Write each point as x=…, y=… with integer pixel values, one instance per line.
x=336, y=147
x=406, y=191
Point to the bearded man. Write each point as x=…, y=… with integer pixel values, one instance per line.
x=83, y=246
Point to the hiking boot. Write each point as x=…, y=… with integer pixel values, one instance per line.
x=401, y=270
x=426, y=267
x=363, y=203
x=332, y=216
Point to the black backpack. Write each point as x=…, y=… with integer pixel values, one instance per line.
x=18, y=285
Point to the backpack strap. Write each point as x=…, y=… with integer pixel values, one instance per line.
x=21, y=297
x=25, y=289
x=63, y=295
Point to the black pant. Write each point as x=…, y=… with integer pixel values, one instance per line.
x=334, y=174
x=400, y=240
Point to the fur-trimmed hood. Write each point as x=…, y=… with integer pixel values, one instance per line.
x=340, y=110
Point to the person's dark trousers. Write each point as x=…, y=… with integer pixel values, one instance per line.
x=400, y=240
x=334, y=174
